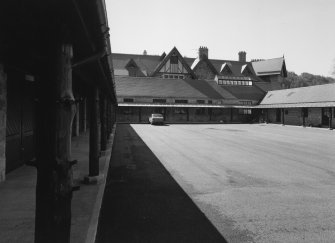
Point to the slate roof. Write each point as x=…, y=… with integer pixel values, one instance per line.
x=245, y=92
x=146, y=63
x=311, y=96
x=167, y=88
x=269, y=66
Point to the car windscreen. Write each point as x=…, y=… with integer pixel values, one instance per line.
x=157, y=115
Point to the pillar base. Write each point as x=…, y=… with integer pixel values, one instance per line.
x=93, y=180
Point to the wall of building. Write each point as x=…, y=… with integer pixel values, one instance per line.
x=3, y=111
x=203, y=71
x=314, y=117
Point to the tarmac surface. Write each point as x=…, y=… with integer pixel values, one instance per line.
x=254, y=182
x=143, y=203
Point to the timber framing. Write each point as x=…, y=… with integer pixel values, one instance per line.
x=49, y=40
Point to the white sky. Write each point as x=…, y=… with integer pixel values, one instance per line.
x=302, y=30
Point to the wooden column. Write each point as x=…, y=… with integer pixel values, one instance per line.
x=94, y=133
x=103, y=118
x=77, y=120
x=55, y=113
x=109, y=119
x=139, y=114
x=330, y=118
x=187, y=114
x=231, y=115
x=84, y=114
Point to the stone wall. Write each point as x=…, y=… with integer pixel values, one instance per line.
x=3, y=111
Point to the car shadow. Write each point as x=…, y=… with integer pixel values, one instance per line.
x=142, y=201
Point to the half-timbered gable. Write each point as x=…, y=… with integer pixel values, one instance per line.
x=173, y=66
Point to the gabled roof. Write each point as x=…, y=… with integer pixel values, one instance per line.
x=146, y=63
x=246, y=70
x=153, y=87
x=311, y=96
x=225, y=68
x=133, y=64
x=163, y=62
x=208, y=62
x=273, y=66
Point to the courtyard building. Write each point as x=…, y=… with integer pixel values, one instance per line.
x=193, y=89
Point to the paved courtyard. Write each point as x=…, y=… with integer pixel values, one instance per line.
x=254, y=182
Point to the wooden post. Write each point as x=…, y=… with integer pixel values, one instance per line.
x=330, y=118
x=55, y=113
x=231, y=115
x=187, y=114
x=109, y=121
x=85, y=114
x=139, y=114
x=103, y=118
x=77, y=120
x=94, y=130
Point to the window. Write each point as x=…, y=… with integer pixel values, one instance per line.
x=200, y=111
x=244, y=111
x=181, y=76
x=250, y=83
x=286, y=112
x=220, y=81
x=181, y=101
x=200, y=101
x=210, y=102
x=127, y=100
x=159, y=100
x=127, y=110
x=174, y=60
x=246, y=102
x=180, y=111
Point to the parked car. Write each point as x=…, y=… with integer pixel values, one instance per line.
x=156, y=119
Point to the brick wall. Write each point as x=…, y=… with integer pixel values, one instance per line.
x=3, y=111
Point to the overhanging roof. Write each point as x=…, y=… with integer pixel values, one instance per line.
x=183, y=105
x=312, y=96
x=298, y=105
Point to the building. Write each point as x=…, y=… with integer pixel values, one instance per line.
x=305, y=106
x=193, y=89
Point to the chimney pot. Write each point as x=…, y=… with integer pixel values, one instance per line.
x=203, y=52
x=242, y=56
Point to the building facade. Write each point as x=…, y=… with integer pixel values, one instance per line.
x=193, y=89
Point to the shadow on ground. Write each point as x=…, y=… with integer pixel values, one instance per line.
x=143, y=203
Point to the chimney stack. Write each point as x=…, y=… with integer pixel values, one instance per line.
x=203, y=52
x=242, y=56
x=145, y=53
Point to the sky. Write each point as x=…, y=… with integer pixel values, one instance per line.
x=301, y=30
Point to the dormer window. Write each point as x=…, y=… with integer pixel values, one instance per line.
x=225, y=69
x=246, y=70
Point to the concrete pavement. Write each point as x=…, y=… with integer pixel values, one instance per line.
x=255, y=182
